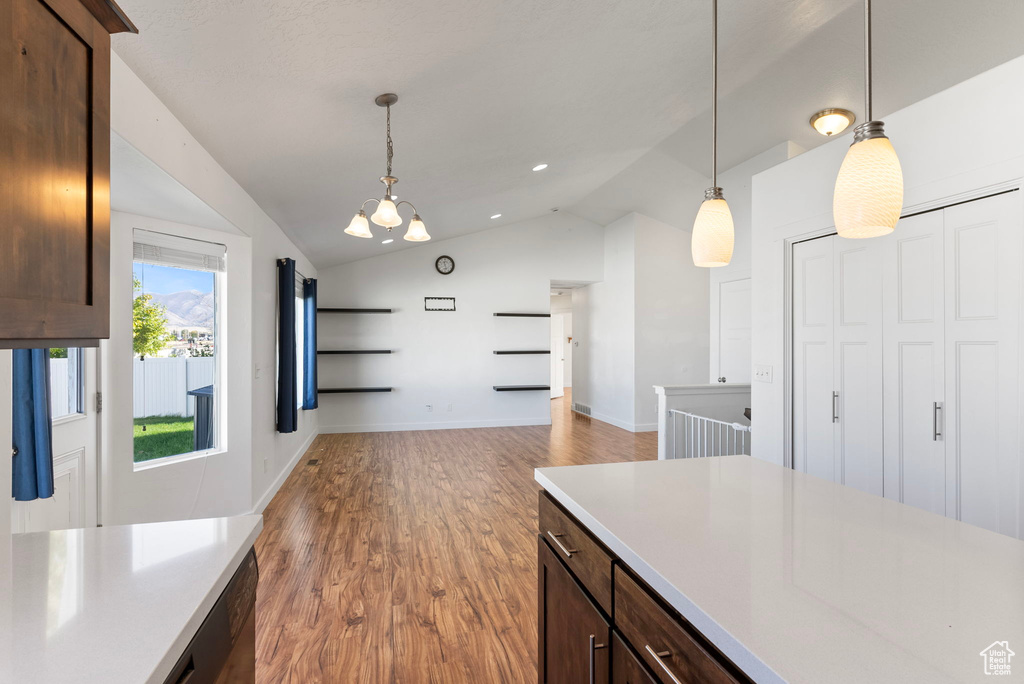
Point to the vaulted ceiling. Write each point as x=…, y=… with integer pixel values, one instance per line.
x=281, y=92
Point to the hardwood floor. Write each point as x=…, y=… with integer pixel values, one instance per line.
x=411, y=556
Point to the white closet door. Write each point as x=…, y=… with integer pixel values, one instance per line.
x=857, y=363
x=813, y=433
x=913, y=361
x=734, y=330
x=983, y=290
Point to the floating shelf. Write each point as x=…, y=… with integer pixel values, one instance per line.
x=352, y=390
x=354, y=311
x=355, y=351
x=522, y=351
x=525, y=315
x=520, y=388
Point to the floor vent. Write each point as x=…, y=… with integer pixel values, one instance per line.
x=313, y=461
x=581, y=408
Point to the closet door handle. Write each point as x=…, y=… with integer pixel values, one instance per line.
x=835, y=407
x=936, y=424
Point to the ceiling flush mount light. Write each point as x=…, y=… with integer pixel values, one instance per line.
x=496, y=216
x=832, y=121
x=540, y=167
x=386, y=214
x=713, y=235
x=869, y=189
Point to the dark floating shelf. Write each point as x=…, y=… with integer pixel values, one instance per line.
x=525, y=315
x=352, y=390
x=354, y=311
x=522, y=351
x=355, y=351
x=520, y=388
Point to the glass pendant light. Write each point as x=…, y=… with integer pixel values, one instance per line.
x=417, y=231
x=868, y=197
x=713, y=234
x=387, y=214
x=359, y=227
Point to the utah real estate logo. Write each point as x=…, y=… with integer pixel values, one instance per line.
x=997, y=658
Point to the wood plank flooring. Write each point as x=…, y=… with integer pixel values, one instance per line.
x=411, y=556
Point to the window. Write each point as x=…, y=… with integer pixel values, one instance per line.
x=176, y=288
x=67, y=386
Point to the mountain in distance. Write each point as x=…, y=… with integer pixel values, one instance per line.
x=190, y=309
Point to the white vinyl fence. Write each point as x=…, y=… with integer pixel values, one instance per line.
x=162, y=385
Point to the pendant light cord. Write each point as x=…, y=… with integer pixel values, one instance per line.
x=391, y=148
x=867, y=60
x=714, y=93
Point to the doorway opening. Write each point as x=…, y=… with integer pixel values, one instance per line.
x=561, y=346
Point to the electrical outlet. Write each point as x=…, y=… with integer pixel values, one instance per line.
x=449, y=407
x=430, y=408
x=266, y=464
x=763, y=373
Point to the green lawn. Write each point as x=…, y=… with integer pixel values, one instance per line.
x=164, y=436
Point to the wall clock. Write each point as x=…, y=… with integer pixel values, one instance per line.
x=444, y=264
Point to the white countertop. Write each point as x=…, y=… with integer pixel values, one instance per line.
x=118, y=604
x=802, y=580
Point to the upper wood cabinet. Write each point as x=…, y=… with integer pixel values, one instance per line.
x=55, y=170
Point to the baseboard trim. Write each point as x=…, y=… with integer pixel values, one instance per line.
x=446, y=425
x=268, y=495
x=629, y=427
x=645, y=427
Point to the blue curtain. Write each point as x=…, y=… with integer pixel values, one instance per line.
x=287, y=368
x=309, y=381
x=32, y=430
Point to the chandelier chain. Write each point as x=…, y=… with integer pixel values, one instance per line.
x=391, y=148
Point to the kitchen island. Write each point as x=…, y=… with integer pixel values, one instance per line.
x=735, y=569
x=122, y=604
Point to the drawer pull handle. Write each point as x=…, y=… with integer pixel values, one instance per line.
x=660, y=656
x=593, y=657
x=555, y=538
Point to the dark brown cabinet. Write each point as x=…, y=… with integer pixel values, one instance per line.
x=55, y=170
x=599, y=623
x=574, y=645
x=626, y=669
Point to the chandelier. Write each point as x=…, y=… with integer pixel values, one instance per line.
x=386, y=214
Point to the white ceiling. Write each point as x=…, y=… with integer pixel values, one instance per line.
x=281, y=92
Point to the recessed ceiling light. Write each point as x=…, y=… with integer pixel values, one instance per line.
x=832, y=121
x=496, y=216
x=387, y=242
x=540, y=167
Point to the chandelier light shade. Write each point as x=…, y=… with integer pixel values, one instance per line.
x=417, y=231
x=868, y=198
x=386, y=214
x=832, y=121
x=359, y=227
x=713, y=234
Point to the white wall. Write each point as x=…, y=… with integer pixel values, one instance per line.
x=646, y=323
x=447, y=358
x=949, y=149
x=604, y=360
x=671, y=320
x=142, y=121
x=737, y=183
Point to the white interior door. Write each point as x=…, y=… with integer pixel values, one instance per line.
x=557, y=360
x=914, y=362
x=813, y=352
x=857, y=362
x=734, y=331
x=73, y=401
x=982, y=318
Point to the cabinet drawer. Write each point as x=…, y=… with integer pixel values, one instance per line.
x=674, y=651
x=587, y=559
x=626, y=669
